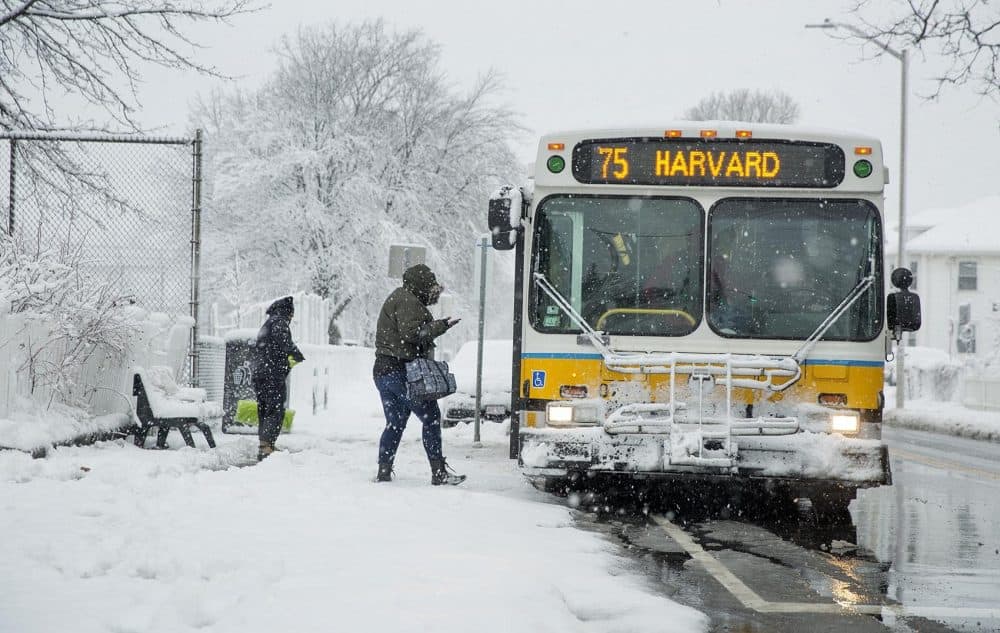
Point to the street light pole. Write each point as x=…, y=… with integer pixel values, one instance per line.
x=901, y=248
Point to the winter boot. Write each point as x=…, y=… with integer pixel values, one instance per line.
x=265, y=449
x=384, y=472
x=440, y=474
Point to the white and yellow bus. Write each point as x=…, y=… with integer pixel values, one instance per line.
x=702, y=301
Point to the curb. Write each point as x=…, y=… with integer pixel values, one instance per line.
x=971, y=433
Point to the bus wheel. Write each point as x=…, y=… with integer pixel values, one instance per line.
x=831, y=506
x=558, y=486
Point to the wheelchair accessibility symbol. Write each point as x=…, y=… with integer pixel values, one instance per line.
x=538, y=379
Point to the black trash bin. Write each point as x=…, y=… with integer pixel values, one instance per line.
x=238, y=381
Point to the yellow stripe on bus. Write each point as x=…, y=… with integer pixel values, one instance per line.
x=543, y=378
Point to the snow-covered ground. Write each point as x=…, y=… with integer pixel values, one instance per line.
x=114, y=538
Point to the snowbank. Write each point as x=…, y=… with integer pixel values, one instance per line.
x=35, y=430
x=949, y=418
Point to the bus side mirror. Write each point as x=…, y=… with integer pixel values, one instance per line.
x=506, y=205
x=903, y=307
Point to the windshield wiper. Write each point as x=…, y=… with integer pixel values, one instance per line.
x=595, y=337
x=837, y=312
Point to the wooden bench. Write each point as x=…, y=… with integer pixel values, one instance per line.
x=153, y=415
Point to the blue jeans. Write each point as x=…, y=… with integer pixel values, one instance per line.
x=397, y=407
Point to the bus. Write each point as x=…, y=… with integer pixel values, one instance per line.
x=702, y=302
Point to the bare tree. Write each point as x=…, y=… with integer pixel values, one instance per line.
x=93, y=49
x=754, y=106
x=966, y=33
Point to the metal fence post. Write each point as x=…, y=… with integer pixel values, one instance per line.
x=195, y=249
x=13, y=177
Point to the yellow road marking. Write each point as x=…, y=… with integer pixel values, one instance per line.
x=945, y=464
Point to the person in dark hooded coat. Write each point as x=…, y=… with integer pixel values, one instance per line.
x=273, y=356
x=405, y=331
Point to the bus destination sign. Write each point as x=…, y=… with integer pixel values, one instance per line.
x=709, y=162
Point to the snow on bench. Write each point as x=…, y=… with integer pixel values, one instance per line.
x=161, y=403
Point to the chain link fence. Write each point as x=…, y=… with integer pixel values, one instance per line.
x=123, y=211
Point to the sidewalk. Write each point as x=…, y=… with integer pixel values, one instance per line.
x=113, y=538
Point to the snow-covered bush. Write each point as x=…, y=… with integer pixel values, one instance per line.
x=63, y=320
x=932, y=375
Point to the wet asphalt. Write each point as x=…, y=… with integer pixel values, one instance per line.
x=920, y=555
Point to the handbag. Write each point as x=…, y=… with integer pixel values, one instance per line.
x=428, y=379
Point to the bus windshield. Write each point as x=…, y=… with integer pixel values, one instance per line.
x=628, y=264
x=778, y=267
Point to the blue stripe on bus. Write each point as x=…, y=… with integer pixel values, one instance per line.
x=848, y=363
x=808, y=361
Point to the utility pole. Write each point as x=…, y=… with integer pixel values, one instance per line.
x=484, y=243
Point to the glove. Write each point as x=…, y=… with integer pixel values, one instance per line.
x=291, y=361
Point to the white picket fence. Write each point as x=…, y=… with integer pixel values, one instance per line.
x=104, y=382
x=8, y=382
x=328, y=367
x=310, y=325
x=982, y=392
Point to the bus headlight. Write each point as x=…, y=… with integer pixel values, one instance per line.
x=844, y=423
x=580, y=413
x=559, y=414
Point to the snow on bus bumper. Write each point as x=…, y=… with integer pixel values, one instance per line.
x=553, y=453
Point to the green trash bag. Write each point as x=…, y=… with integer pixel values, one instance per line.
x=246, y=413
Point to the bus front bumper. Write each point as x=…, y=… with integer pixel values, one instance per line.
x=800, y=457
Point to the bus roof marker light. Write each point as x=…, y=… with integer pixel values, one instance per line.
x=743, y=134
x=709, y=134
x=862, y=169
x=863, y=151
x=672, y=133
x=556, y=164
x=557, y=147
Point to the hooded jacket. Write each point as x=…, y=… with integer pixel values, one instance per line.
x=406, y=329
x=274, y=343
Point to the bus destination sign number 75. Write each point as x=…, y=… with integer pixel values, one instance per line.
x=709, y=162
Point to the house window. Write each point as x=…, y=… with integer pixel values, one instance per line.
x=966, y=275
x=913, y=269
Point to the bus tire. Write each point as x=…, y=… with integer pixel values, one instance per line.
x=831, y=506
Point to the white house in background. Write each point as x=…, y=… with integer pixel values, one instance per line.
x=954, y=254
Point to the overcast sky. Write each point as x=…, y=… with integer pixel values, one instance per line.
x=582, y=63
